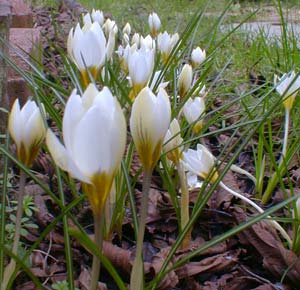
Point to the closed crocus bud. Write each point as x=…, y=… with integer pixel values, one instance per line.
x=185, y=80
x=123, y=54
x=193, y=109
x=287, y=86
x=109, y=26
x=166, y=43
x=27, y=129
x=140, y=68
x=94, y=134
x=149, y=122
x=200, y=162
x=198, y=57
x=154, y=24
x=136, y=39
x=87, y=49
x=127, y=29
x=148, y=42
x=173, y=142
x=97, y=15
x=110, y=47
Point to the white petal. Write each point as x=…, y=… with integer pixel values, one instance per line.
x=62, y=158
x=74, y=111
x=15, y=123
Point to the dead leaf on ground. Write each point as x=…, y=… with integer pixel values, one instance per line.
x=276, y=258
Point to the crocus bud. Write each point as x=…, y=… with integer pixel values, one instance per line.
x=173, y=142
x=185, y=80
x=127, y=29
x=97, y=15
x=287, y=86
x=123, y=54
x=94, y=133
x=154, y=24
x=140, y=68
x=166, y=43
x=149, y=122
x=87, y=49
x=200, y=162
x=27, y=129
x=193, y=109
x=108, y=26
x=198, y=56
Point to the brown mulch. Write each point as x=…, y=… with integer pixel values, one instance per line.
x=255, y=259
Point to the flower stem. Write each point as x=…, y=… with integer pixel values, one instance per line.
x=10, y=268
x=98, y=238
x=137, y=273
x=275, y=224
x=274, y=178
x=286, y=134
x=184, y=207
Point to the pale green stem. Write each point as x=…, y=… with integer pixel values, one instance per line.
x=238, y=169
x=98, y=239
x=185, y=199
x=275, y=224
x=10, y=268
x=286, y=134
x=137, y=273
x=274, y=178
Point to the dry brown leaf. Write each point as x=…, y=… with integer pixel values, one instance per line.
x=211, y=265
x=276, y=258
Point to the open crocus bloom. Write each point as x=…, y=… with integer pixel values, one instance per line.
x=87, y=48
x=287, y=86
x=27, y=129
x=94, y=133
x=200, y=162
x=193, y=109
x=149, y=122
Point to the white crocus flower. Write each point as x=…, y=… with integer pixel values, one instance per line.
x=173, y=142
x=123, y=54
x=287, y=86
x=87, y=48
x=140, y=68
x=200, y=162
x=27, y=129
x=127, y=29
x=97, y=15
x=193, y=109
x=198, y=57
x=136, y=39
x=149, y=122
x=147, y=42
x=94, y=134
x=154, y=24
x=185, y=80
x=108, y=26
x=166, y=43
x=110, y=48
